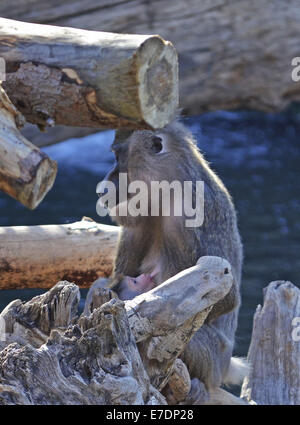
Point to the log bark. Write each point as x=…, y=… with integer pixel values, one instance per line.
x=56, y=134
x=80, y=78
x=232, y=54
x=274, y=352
x=26, y=173
x=50, y=356
x=39, y=256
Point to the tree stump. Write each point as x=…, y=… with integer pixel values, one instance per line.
x=274, y=352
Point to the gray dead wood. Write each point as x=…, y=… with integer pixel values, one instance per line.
x=26, y=173
x=164, y=319
x=92, y=361
x=274, y=351
x=84, y=78
x=49, y=356
x=39, y=256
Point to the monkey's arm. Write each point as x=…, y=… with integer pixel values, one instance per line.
x=208, y=354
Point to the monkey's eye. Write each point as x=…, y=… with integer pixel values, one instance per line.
x=157, y=145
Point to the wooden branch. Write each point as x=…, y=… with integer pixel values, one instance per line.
x=26, y=173
x=86, y=78
x=274, y=354
x=95, y=360
x=227, y=49
x=39, y=256
x=164, y=319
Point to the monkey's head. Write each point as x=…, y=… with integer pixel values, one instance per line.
x=145, y=156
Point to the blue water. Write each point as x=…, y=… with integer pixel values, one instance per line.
x=257, y=156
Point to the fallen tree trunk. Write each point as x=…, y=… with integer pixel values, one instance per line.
x=96, y=360
x=86, y=78
x=26, y=173
x=39, y=256
x=227, y=49
x=274, y=352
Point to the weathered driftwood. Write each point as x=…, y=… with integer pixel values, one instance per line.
x=91, y=362
x=96, y=359
x=79, y=78
x=26, y=173
x=164, y=319
x=33, y=321
x=39, y=256
x=227, y=49
x=274, y=351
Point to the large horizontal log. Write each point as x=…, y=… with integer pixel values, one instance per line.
x=39, y=256
x=232, y=54
x=86, y=78
x=26, y=173
x=274, y=352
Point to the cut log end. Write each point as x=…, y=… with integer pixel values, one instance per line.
x=158, y=75
x=26, y=173
x=31, y=193
x=43, y=182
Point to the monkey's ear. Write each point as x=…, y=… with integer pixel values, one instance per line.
x=159, y=144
